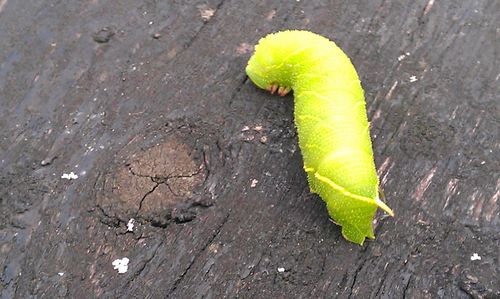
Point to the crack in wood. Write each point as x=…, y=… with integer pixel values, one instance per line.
x=407, y=286
x=146, y=195
x=193, y=260
x=205, y=23
x=356, y=273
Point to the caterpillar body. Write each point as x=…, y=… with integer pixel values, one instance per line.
x=331, y=121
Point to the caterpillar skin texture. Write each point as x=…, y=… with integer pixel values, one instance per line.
x=331, y=121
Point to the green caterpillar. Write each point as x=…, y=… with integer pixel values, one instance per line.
x=331, y=121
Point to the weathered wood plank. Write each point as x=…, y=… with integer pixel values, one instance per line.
x=161, y=125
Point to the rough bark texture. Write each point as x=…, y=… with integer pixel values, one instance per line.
x=148, y=103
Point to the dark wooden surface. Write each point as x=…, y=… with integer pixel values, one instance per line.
x=152, y=114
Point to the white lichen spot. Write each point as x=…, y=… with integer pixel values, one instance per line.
x=254, y=183
x=475, y=257
x=413, y=79
x=281, y=269
x=69, y=176
x=121, y=265
x=130, y=225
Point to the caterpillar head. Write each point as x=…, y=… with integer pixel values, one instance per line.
x=264, y=82
x=257, y=77
x=268, y=67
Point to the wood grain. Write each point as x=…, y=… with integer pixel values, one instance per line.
x=250, y=227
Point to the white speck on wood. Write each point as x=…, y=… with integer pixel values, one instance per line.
x=130, y=225
x=121, y=265
x=475, y=257
x=69, y=176
x=254, y=183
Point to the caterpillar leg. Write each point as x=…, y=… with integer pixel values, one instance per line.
x=281, y=90
x=311, y=179
x=272, y=88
